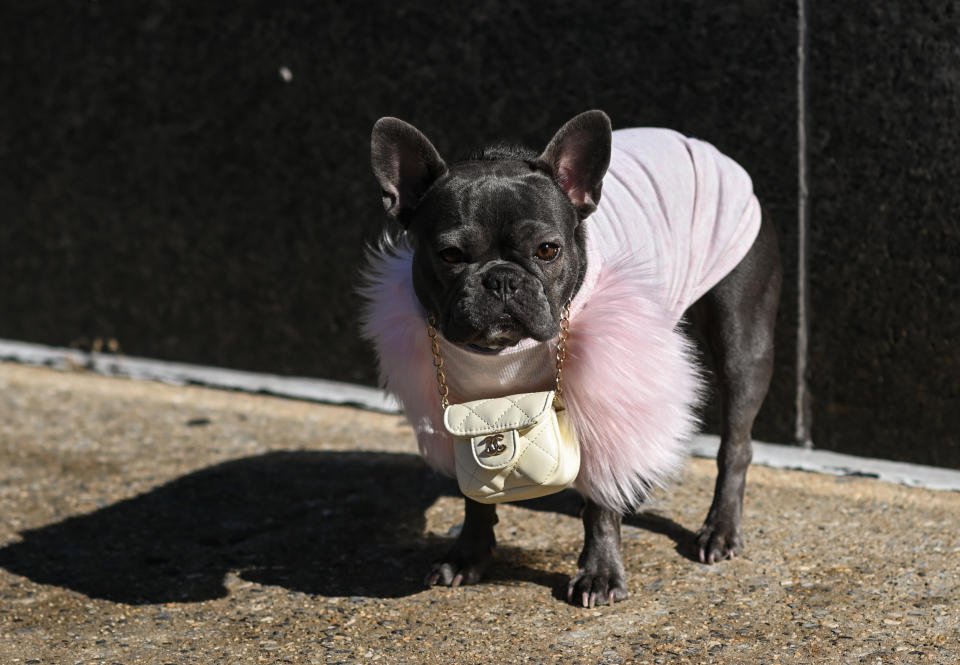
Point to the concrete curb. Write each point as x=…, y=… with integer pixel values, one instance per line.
x=795, y=458
x=335, y=392
x=180, y=374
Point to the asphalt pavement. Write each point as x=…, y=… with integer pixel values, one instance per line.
x=147, y=523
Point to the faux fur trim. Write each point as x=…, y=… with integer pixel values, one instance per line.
x=632, y=388
x=630, y=383
x=395, y=322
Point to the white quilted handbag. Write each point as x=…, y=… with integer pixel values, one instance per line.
x=512, y=448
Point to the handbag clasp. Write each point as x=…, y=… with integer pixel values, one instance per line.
x=493, y=445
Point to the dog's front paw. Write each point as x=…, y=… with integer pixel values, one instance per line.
x=597, y=585
x=461, y=565
x=718, y=540
x=454, y=573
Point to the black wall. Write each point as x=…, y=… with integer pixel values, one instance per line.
x=885, y=228
x=163, y=185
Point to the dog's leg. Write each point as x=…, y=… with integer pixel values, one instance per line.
x=740, y=313
x=601, y=578
x=470, y=554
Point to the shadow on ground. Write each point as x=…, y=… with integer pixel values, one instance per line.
x=325, y=523
x=330, y=523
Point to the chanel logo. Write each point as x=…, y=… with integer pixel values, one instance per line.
x=493, y=445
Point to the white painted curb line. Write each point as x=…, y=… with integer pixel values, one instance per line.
x=336, y=392
x=180, y=374
x=779, y=456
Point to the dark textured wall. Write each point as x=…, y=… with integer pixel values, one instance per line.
x=163, y=184
x=885, y=229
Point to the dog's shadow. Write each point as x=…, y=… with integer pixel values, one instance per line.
x=325, y=523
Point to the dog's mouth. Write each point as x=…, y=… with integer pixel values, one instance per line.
x=492, y=350
x=504, y=332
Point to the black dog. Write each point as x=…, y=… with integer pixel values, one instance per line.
x=500, y=245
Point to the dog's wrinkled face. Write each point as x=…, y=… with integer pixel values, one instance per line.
x=496, y=253
x=498, y=240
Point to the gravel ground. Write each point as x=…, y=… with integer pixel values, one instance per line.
x=143, y=523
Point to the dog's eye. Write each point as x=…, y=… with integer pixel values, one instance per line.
x=548, y=251
x=453, y=255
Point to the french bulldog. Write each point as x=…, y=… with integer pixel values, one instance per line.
x=500, y=244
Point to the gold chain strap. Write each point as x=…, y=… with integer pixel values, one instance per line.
x=444, y=390
x=438, y=361
x=562, y=346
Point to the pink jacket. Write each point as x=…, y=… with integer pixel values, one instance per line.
x=674, y=218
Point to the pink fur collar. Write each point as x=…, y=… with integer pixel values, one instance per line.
x=631, y=386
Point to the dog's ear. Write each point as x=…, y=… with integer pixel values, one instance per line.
x=405, y=163
x=578, y=157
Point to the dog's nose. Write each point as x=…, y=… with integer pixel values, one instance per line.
x=502, y=282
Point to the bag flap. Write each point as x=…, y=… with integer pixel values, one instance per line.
x=489, y=416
